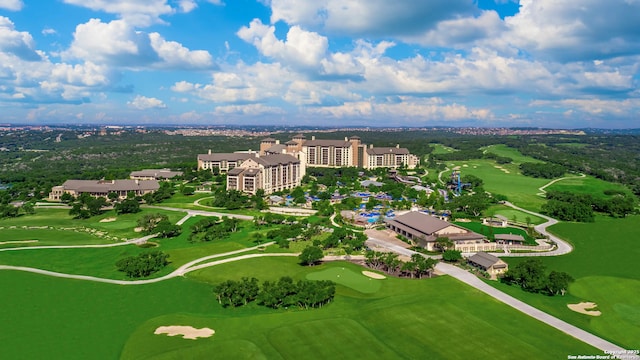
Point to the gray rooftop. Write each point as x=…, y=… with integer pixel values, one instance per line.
x=277, y=159
x=102, y=186
x=509, y=237
x=225, y=156
x=483, y=259
x=387, y=150
x=321, y=142
x=421, y=222
x=157, y=173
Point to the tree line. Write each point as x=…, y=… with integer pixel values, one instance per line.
x=275, y=294
x=143, y=264
x=581, y=207
x=417, y=267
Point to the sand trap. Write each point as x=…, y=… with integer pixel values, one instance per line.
x=584, y=307
x=187, y=332
x=373, y=275
x=138, y=229
x=111, y=219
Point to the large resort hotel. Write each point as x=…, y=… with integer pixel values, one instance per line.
x=277, y=166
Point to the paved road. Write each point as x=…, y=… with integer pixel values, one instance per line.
x=563, y=326
x=562, y=248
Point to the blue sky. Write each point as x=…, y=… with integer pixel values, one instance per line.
x=547, y=63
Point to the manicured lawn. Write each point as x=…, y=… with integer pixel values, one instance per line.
x=604, y=264
x=506, y=180
x=349, y=278
x=514, y=154
x=101, y=262
x=441, y=149
x=50, y=318
x=48, y=237
x=509, y=213
x=588, y=185
x=400, y=320
x=485, y=230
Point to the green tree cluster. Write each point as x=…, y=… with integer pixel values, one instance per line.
x=275, y=294
x=214, y=228
x=144, y=264
x=531, y=276
x=540, y=170
x=389, y=262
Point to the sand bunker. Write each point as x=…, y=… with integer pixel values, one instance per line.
x=584, y=307
x=373, y=275
x=108, y=219
x=502, y=169
x=187, y=332
x=138, y=229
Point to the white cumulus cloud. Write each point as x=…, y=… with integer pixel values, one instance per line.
x=143, y=103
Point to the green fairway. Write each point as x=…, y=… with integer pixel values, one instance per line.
x=506, y=180
x=441, y=149
x=348, y=278
x=397, y=321
x=604, y=264
x=514, y=154
x=588, y=185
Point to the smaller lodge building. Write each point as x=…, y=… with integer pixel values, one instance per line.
x=154, y=174
x=102, y=188
x=489, y=263
x=423, y=229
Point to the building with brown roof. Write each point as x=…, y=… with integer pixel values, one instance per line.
x=154, y=174
x=102, y=188
x=489, y=263
x=509, y=239
x=339, y=153
x=223, y=162
x=423, y=229
x=275, y=172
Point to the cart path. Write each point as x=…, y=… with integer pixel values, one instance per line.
x=562, y=247
x=182, y=270
x=543, y=187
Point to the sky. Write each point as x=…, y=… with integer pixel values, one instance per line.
x=336, y=63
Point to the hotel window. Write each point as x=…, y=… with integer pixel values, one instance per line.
x=379, y=160
x=339, y=156
x=248, y=184
x=312, y=156
x=324, y=153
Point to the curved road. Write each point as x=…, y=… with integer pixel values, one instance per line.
x=562, y=247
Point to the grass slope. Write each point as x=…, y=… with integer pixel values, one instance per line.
x=604, y=264
x=403, y=319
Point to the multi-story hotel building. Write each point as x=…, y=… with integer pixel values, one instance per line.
x=223, y=162
x=338, y=153
x=274, y=172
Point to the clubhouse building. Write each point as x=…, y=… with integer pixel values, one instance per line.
x=102, y=188
x=154, y=174
x=423, y=229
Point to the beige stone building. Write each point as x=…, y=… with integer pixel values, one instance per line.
x=274, y=172
x=154, y=174
x=340, y=153
x=223, y=162
x=423, y=229
x=102, y=188
x=489, y=263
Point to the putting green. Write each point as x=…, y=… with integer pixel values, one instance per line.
x=348, y=278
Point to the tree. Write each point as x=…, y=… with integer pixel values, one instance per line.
x=166, y=229
x=443, y=243
x=529, y=275
x=67, y=198
x=144, y=264
x=311, y=255
x=128, y=206
x=148, y=222
x=451, y=255
x=558, y=282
